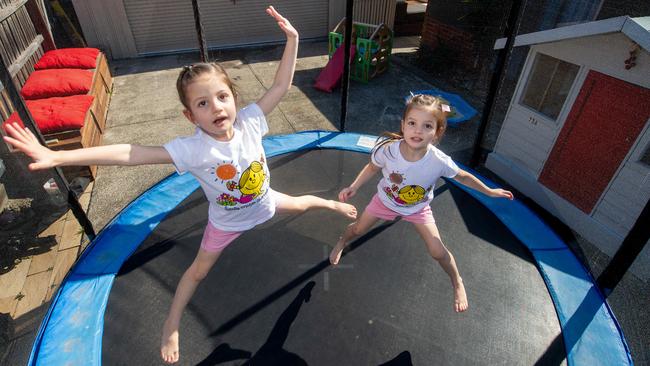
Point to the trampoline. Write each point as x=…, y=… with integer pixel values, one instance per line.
x=273, y=298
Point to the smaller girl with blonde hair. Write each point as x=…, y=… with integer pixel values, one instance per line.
x=410, y=166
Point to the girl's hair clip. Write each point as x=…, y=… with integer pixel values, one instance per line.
x=445, y=107
x=188, y=67
x=412, y=95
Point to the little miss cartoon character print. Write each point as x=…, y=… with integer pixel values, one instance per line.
x=251, y=181
x=408, y=195
x=249, y=185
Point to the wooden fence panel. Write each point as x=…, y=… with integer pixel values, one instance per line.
x=21, y=45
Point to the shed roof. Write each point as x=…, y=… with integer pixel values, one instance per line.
x=637, y=29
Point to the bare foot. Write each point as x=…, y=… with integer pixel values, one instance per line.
x=169, y=344
x=335, y=254
x=460, y=298
x=345, y=209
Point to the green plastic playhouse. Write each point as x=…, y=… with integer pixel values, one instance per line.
x=374, y=44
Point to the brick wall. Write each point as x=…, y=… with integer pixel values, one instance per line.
x=464, y=30
x=436, y=35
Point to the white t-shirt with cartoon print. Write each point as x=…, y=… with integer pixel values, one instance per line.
x=233, y=174
x=407, y=187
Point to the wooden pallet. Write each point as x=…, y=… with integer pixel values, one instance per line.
x=94, y=123
x=101, y=89
x=89, y=135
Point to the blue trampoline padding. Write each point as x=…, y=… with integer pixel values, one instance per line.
x=465, y=111
x=71, y=332
x=592, y=335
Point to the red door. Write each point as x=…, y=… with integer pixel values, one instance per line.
x=604, y=122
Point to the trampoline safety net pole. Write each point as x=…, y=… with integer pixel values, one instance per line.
x=59, y=178
x=629, y=250
x=345, y=83
x=203, y=46
x=512, y=27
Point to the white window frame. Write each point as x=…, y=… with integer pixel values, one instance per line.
x=568, y=101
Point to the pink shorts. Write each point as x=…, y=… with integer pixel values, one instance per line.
x=215, y=240
x=377, y=209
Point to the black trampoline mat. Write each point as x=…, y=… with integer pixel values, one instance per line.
x=273, y=299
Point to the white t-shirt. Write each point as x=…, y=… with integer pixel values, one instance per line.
x=407, y=187
x=233, y=174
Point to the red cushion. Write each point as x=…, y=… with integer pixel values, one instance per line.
x=69, y=58
x=57, y=114
x=57, y=83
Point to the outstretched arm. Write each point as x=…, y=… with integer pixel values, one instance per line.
x=284, y=75
x=24, y=140
x=365, y=174
x=471, y=181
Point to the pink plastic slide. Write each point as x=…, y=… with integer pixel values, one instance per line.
x=330, y=77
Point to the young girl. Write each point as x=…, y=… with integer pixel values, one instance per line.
x=410, y=166
x=225, y=155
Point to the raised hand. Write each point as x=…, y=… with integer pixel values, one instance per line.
x=283, y=23
x=24, y=140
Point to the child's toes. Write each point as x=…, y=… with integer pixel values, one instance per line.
x=335, y=256
x=345, y=209
x=460, y=307
x=351, y=211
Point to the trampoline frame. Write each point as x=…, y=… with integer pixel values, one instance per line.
x=71, y=332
